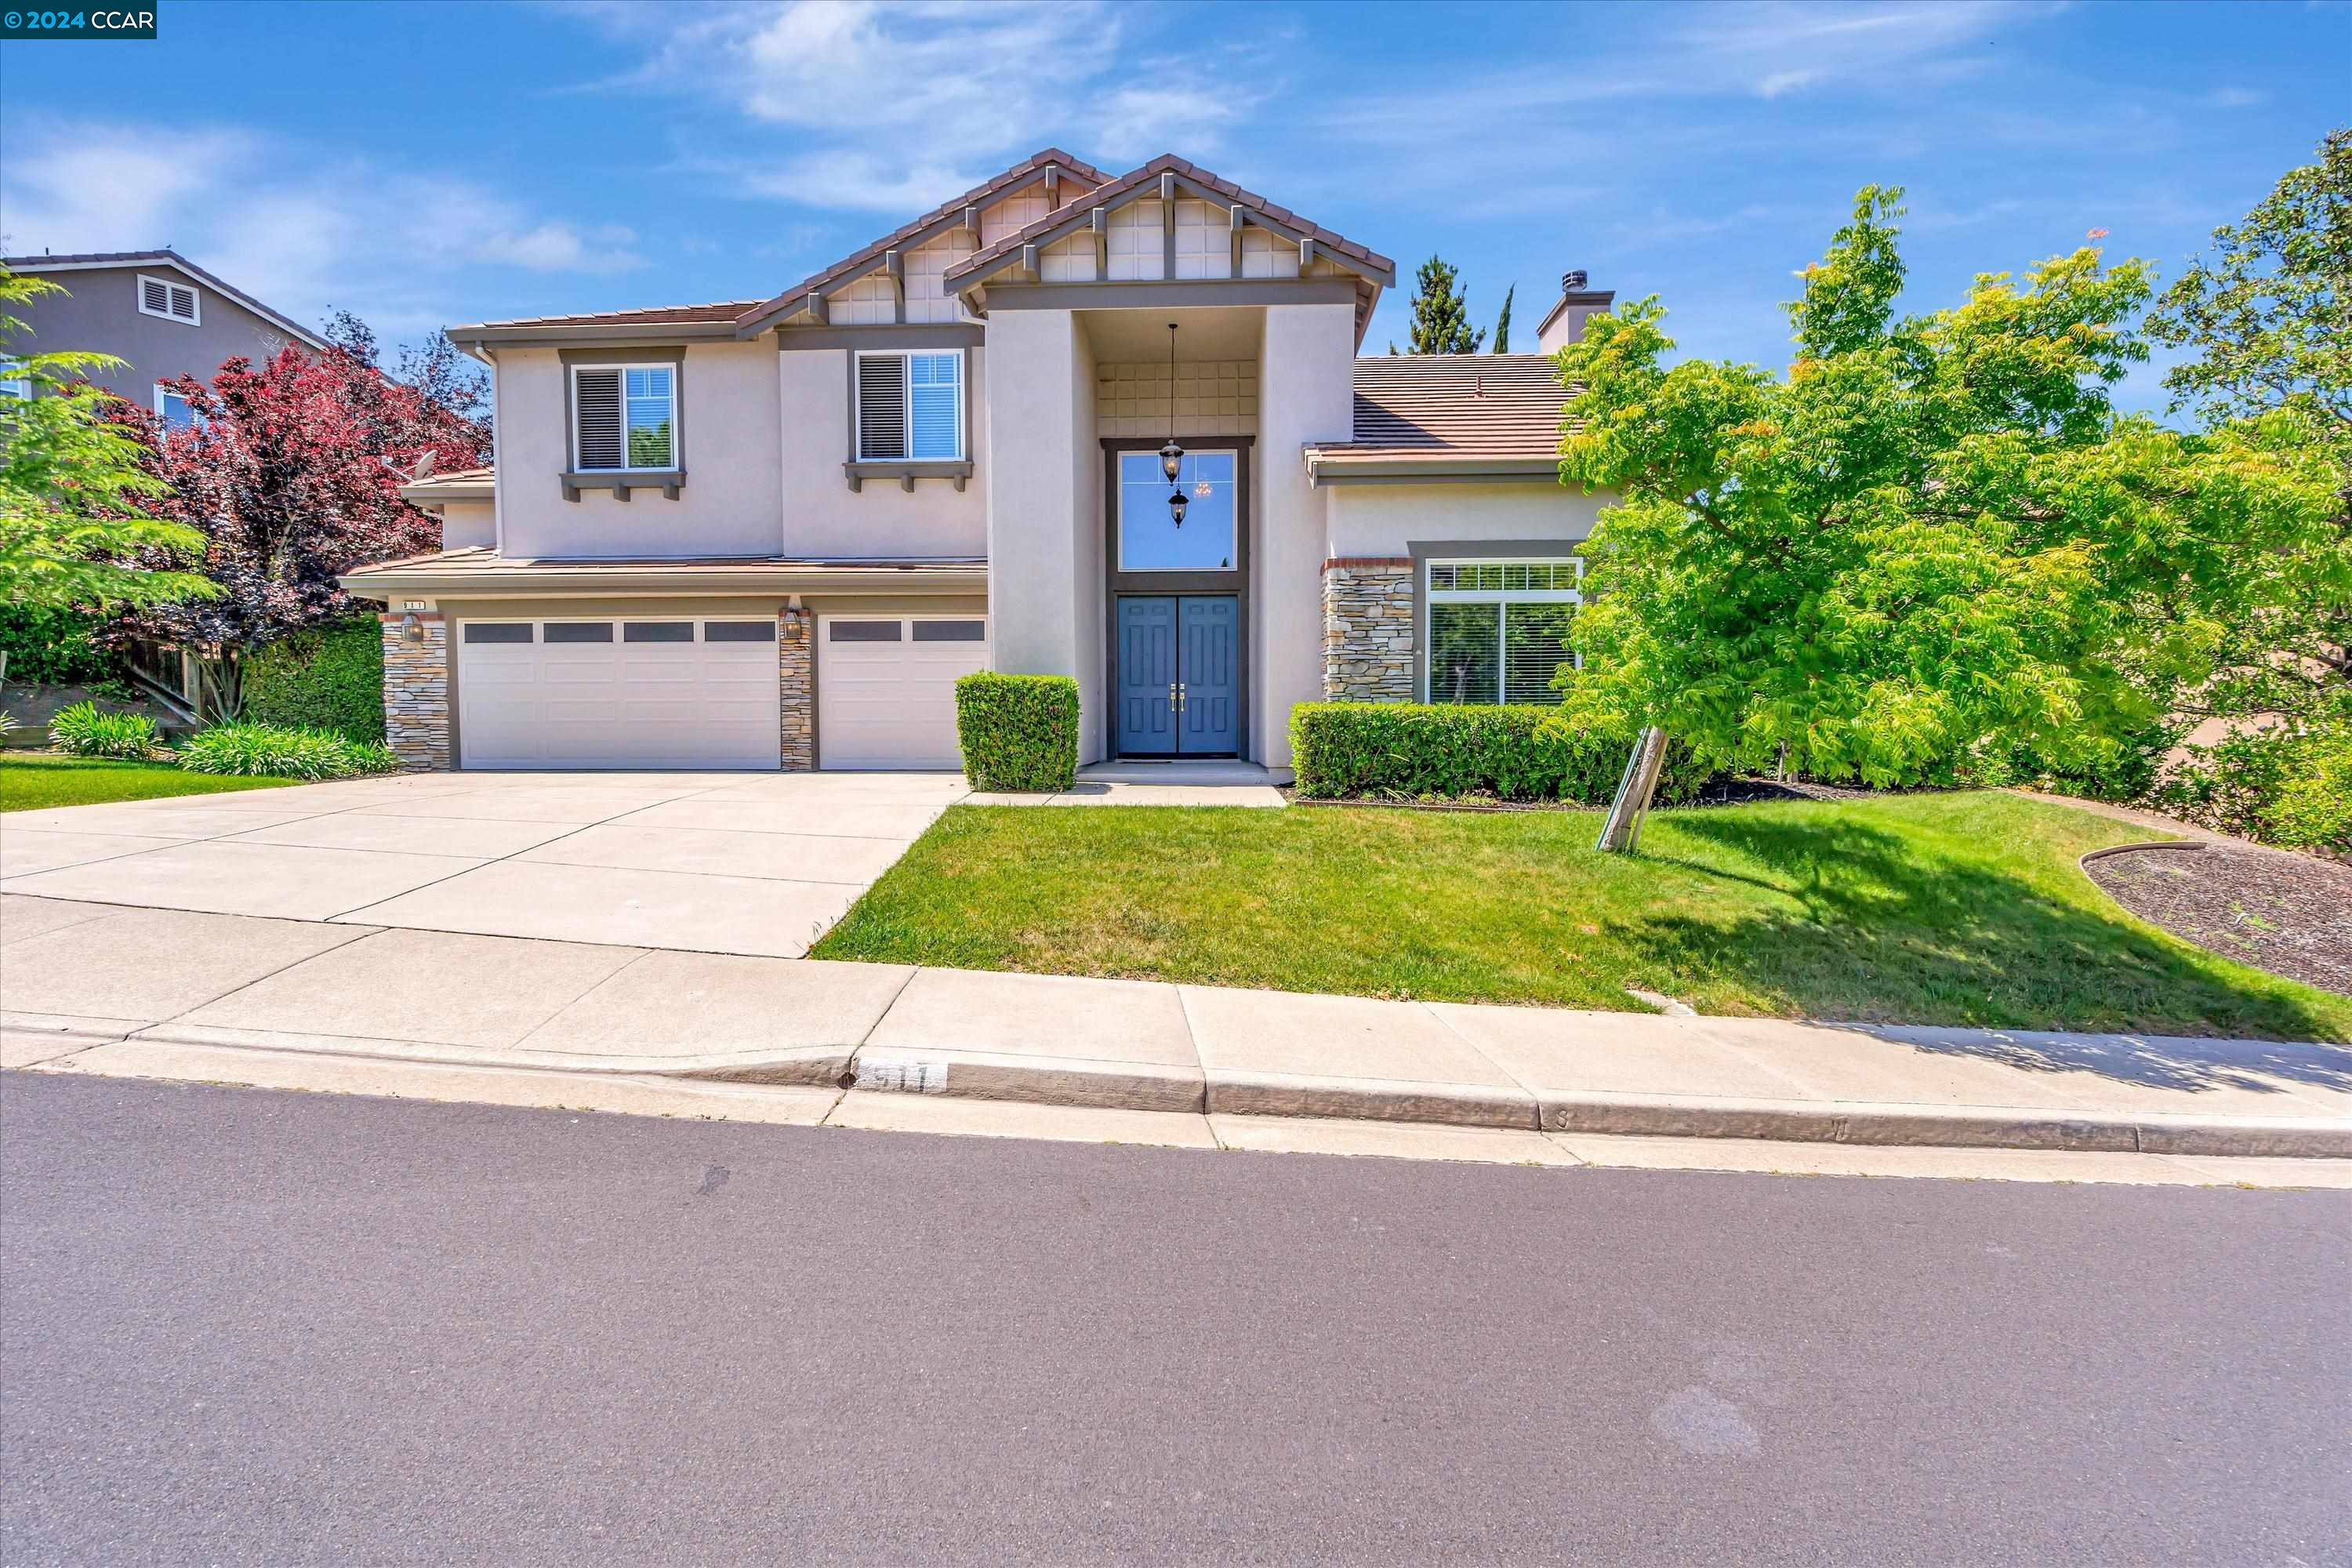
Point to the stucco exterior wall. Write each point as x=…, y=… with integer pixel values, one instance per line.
x=1088, y=605
x=99, y=313
x=467, y=524
x=823, y=518
x=731, y=501
x=1306, y=369
x=1037, y=416
x=1380, y=520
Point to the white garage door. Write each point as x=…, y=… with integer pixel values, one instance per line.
x=596, y=692
x=886, y=687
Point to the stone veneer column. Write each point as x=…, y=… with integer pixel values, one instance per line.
x=795, y=645
x=1367, y=629
x=416, y=692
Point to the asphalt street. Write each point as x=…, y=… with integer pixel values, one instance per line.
x=244, y=1327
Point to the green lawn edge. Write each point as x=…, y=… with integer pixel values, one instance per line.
x=30, y=781
x=1963, y=908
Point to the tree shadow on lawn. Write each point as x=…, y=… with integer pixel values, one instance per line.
x=1959, y=943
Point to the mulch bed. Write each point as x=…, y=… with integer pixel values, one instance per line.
x=2291, y=914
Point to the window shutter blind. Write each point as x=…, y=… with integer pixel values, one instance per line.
x=154, y=296
x=597, y=398
x=1535, y=644
x=183, y=303
x=882, y=407
x=931, y=422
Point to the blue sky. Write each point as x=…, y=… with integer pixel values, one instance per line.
x=448, y=163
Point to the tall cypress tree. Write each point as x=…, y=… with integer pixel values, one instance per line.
x=1503, y=325
x=1441, y=316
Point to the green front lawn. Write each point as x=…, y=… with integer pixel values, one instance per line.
x=1961, y=909
x=32, y=779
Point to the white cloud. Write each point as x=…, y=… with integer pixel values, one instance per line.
x=892, y=106
x=302, y=237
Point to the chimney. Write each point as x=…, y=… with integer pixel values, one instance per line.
x=1577, y=302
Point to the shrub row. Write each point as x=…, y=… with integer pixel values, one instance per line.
x=274, y=751
x=2276, y=785
x=48, y=647
x=329, y=679
x=1388, y=751
x=270, y=751
x=1018, y=732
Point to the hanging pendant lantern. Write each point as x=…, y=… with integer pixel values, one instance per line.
x=1176, y=505
x=1172, y=456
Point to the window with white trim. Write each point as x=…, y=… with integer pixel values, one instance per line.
x=172, y=409
x=15, y=386
x=1498, y=629
x=909, y=407
x=624, y=418
x=169, y=299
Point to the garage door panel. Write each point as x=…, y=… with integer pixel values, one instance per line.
x=628, y=698
x=885, y=689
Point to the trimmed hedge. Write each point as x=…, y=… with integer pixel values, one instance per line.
x=329, y=679
x=1019, y=731
x=48, y=647
x=1414, y=751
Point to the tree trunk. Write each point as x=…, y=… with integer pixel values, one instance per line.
x=1623, y=831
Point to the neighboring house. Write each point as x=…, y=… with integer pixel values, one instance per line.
x=773, y=532
x=161, y=312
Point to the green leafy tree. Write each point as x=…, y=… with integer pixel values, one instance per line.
x=1931, y=534
x=2269, y=320
x=1503, y=323
x=1441, y=314
x=73, y=484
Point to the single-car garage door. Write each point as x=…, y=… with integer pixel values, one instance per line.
x=886, y=687
x=599, y=692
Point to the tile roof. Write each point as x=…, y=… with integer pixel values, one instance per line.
x=1167, y=163
x=36, y=264
x=484, y=560
x=1482, y=406
x=858, y=260
x=654, y=316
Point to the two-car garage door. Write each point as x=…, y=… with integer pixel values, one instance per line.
x=598, y=692
x=617, y=693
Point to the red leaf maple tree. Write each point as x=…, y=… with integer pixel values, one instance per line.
x=291, y=469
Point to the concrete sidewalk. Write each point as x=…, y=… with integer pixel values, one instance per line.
x=75, y=978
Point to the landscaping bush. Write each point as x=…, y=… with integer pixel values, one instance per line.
x=87, y=732
x=2277, y=786
x=48, y=647
x=1018, y=732
x=1409, y=750
x=331, y=679
x=278, y=751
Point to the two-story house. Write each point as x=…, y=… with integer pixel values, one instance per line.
x=162, y=314
x=1113, y=427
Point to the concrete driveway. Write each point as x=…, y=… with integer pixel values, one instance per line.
x=759, y=863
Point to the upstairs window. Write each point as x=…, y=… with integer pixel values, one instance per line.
x=172, y=299
x=1498, y=629
x=172, y=409
x=624, y=418
x=909, y=407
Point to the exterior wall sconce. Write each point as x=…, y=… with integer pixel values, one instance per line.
x=411, y=628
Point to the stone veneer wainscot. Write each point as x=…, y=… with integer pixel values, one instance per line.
x=416, y=692
x=1367, y=629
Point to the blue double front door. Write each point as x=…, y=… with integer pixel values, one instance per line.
x=1179, y=675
